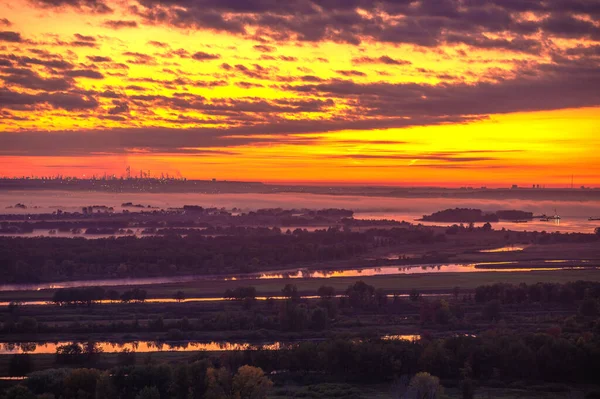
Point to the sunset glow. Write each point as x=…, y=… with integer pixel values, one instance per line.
x=449, y=93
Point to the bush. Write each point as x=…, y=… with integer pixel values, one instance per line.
x=467, y=388
x=492, y=310
x=424, y=385
x=148, y=393
x=126, y=357
x=19, y=392
x=20, y=365
x=27, y=325
x=175, y=334
x=589, y=308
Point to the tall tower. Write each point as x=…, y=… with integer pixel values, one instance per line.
x=572, y=182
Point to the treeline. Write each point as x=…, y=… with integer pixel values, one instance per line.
x=36, y=259
x=468, y=215
x=89, y=295
x=540, y=292
x=196, y=380
x=495, y=358
x=464, y=215
x=188, y=216
x=294, y=314
x=494, y=355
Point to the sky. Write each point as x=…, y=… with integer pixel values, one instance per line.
x=396, y=92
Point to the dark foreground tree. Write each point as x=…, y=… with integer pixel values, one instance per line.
x=20, y=365
x=424, y=386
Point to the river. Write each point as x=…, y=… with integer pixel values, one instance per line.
x=486, y=267
x=8, y=348
x=574, y=214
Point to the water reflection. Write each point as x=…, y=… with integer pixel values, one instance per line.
x=407, y=269
x=160, y=346
x=198, y=299
x=412, y=337
x=508, y=248
x=305, y=273
x=139, y=346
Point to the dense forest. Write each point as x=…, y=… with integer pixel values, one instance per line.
x=494, y=358
x=238, y=250
x=510, y=352
x=230, y=250
x=53, y=258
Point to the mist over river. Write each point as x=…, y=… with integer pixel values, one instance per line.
x=574, y=214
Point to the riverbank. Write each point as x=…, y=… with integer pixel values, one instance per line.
x=399, y=284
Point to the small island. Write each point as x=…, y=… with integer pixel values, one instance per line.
x=17, y=206
x=468, y=215
x=132, y=205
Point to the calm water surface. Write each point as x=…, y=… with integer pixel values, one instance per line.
x=152, y=346
x=302, y=273
x=574, y=213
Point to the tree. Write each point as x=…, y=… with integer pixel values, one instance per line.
x=51, y=380
x=251, y=383
x=442, y=315
x=241, y=293
x=318, y=319
x=467, y=385
x=19, y=392
x=81, y=384
x=70, y=353
x=105, y=388
x=290, y=291
x=456, y=292
x=179, y=296
x=13, y=307
x=589, y=308
x=27, y=324
x=424, y=386
x=20, y=365
x=218, y=383
x=360, y=294
x=112, y=295
x=467, y=388
x=180, y=384
x=491, y=311
x=414, y=295
x=139, y=295
x=92, y=350
x=326, y=292
x=293, y=317
x=197, y=378
x=380, y=297
x=148, y=393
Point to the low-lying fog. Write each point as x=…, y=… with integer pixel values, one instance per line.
x=574, y=213
x=68, y=200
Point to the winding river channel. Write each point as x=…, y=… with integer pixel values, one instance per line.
x=302, y=273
